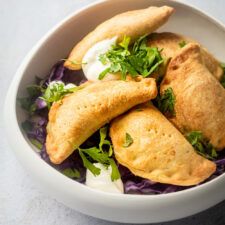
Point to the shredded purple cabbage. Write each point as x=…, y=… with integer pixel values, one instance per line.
x=132, y=184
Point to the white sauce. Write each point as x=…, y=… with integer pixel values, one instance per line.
x=92, y=67
x=103, y=181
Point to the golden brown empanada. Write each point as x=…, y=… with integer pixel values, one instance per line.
x=169, y=43
x=132, y=23
x=79, y=115
x=200, y=98
x=159, y=152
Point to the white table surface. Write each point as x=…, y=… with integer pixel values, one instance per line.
x=22, y=23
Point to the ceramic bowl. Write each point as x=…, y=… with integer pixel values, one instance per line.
x=55, y=45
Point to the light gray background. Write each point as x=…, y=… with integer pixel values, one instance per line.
x=22, y=24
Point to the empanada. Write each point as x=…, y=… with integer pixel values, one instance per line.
x=159, y=152
x=200, y=98
x=77, y=116
x=170, y=45
x=132, y=23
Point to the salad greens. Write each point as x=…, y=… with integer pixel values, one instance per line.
x=166, y=102
x=201, y=144
x=100, y=155
x=136, y=59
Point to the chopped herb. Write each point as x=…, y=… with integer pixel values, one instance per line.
x=104, y=142
x=94, y=154
x=115, y=175
x=103, y=73
x=71, y=173
x=201, y=144
x=90, y=166
x=128, y=141
x=222, y=81
x=56, y=91
x=166, y=102
x=182, y=44
x=138, y=59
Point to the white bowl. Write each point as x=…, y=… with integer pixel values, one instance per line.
x=56, y=45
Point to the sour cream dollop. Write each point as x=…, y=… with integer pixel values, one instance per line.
x=92, y=67
x=103, y=181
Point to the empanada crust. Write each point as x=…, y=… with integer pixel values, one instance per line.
x=169, y=43
x=159, y=152
x=200, y=98
x=77, y=116
x=132, y=23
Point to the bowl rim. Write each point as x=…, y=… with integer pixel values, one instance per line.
x=12, y=125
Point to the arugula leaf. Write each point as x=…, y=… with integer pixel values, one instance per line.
x=95, y=170
x=201, y=144
x=182, y=44
x=56, y=91
x=128, y=141
x=166, y=102
x=71, y=173
x=132, y=60
x=115, y=175
x=222, y=81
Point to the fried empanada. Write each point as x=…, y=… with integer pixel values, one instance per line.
x=200, y=98
x=77, y=116
x=170, y=45
x=158, y=151
x=132, y=23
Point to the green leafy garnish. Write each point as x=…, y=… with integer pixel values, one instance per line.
x=100, y=155
x=90, y=166
x=138, y=59
x=128, y=141
x=71, y=173
x=56, y=91
x=182, y=44
x=222, y=81
x=115, y=175
x=201, y=144
x=166, y=102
